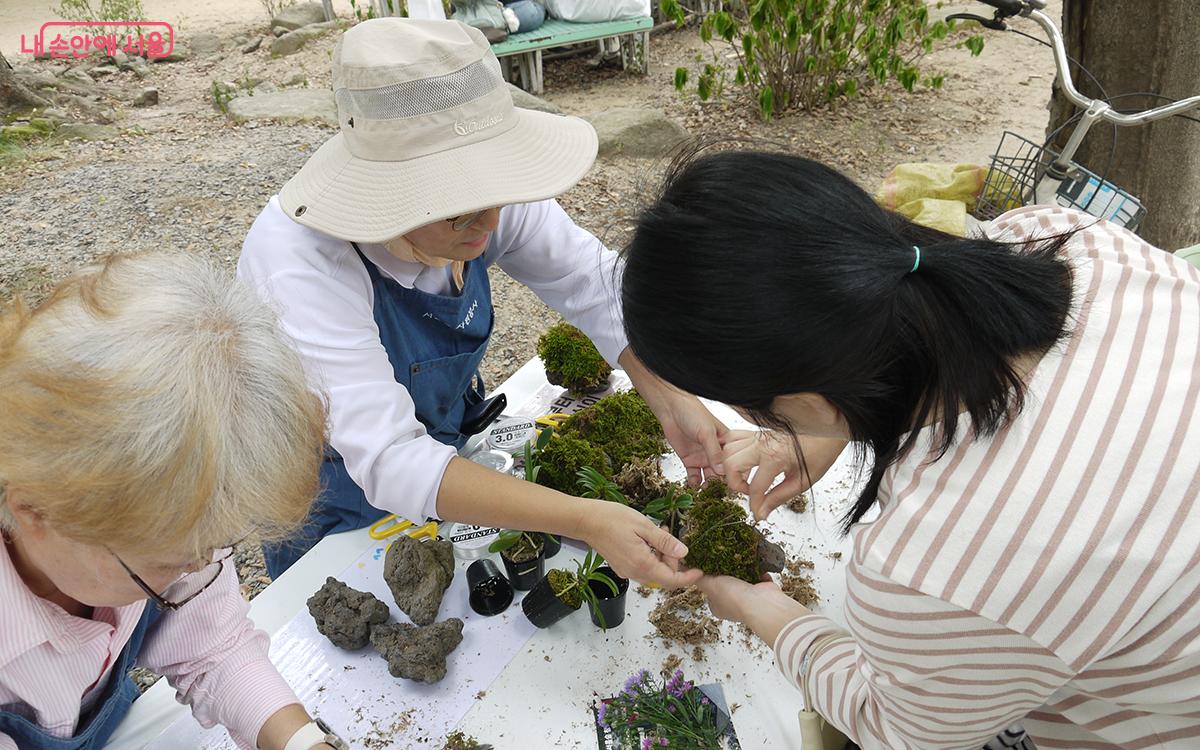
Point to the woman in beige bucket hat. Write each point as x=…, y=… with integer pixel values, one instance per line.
x=376, y=254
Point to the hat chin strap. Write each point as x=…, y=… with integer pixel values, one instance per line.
x=401, y=248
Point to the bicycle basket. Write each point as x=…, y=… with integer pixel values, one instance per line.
x=1019, y=165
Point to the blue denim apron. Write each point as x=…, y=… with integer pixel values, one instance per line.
x=435, y=344
x=94, y=728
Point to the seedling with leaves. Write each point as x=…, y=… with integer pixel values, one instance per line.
x=588, y=571
x=518, y=546
x=594, y=484
x=533, y=449
x=671, y=508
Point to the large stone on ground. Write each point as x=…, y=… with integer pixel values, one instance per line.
x=103, y=71
x=526, y=100
x=637, y=132
x=300, y=14
x=86, y=131
x=37, y=79
x=291, y=42
x=418, y=574
x=78, y=75
x=204, y=42
x=147, y=98
x=293, y=105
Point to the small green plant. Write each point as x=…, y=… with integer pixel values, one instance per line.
x=81, y=11
x=275, y=7
x=671, y=508
x=362, y=14
x=594, y=484
x=532, y=454
x=586, y=572
x=222, y=94
x=801, y=53
x=518, y=546
x=572, y=360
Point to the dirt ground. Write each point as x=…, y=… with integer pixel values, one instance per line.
x=182, y=176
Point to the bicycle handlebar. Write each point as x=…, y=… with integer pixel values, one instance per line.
x=1009, y=8
x=1062, y=62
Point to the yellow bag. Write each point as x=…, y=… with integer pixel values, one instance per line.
x=933, y=195
x=815, y=732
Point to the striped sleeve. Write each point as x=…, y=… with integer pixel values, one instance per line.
x=917, y=672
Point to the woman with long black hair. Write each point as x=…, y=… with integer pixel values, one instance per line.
x=1027, y=395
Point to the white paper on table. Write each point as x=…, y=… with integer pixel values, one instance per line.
x=352, y=690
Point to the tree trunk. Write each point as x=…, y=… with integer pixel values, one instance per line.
x=14, y=95
x=1134, y=46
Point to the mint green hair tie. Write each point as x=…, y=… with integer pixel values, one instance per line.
x=916, y=260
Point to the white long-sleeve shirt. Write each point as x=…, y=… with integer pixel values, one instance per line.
x=323, y=294
x=54, y=665
x=1049, y=574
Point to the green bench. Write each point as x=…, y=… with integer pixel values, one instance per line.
x=1190, y=254
x=524, y=50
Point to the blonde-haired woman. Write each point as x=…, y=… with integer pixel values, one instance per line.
x=152, y=416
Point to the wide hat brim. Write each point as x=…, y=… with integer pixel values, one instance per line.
x=541, y=156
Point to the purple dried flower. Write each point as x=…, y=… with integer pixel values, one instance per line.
x=671, y=708
x=601, y=713
x=704, y=701
x=647, y=743
x=662, y=741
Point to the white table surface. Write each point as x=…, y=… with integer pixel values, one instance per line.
x=541, y=699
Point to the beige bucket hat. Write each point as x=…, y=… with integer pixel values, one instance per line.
x=428, y=132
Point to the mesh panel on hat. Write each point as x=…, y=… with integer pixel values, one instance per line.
x=420, y=97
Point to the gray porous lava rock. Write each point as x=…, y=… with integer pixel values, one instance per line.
x=771, y=556
x=418, y=573
x=346, y=616
x=417, y=653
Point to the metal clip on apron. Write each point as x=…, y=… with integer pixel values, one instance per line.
x=435, y=344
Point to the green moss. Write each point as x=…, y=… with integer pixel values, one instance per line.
x=714, y=489
x=572, y=360
x=565, y=586
x=622, y=425
x=563, y=457
x=719, y=540
x=33, y=130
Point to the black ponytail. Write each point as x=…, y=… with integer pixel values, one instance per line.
x=758, y=275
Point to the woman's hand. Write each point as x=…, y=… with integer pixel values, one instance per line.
x=634, y=546
x=772, y=454
x=763, y=607
x=691, y=429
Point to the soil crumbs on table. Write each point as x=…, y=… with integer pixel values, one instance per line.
x=798, y=504
x=682, y=617
x=798, y=584
x=671, y=663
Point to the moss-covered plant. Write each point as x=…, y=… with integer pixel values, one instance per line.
x=720, y=542
x=561, y=459
x=572, y=360
x=562, y=583
x=572, y=589
x=622, y=425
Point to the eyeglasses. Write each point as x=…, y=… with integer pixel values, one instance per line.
x=213, y=569
x=466, y=221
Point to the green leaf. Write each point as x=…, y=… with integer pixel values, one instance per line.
x=766, y=102
x=681, y=77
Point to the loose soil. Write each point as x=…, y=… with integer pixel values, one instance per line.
x=682, y=618
x=798, y=584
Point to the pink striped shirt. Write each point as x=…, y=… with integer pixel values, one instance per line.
x=1049, y=575
x=53, y=664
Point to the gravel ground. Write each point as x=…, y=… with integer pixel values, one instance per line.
x=183, y=177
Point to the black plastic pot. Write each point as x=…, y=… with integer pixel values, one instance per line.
x=491, y=593
x=525, y=575
x=553, y=545
x=542, y=606
x=612, y=607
